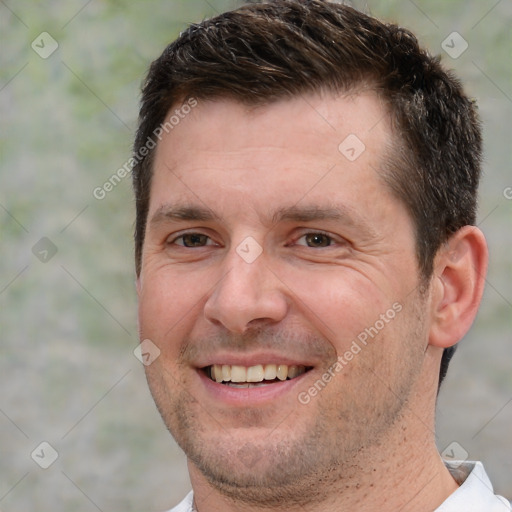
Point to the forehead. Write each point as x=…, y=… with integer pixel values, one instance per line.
x=280, y=152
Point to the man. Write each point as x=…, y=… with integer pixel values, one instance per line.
x=307, y=259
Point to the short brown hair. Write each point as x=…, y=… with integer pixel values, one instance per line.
x=263, y=52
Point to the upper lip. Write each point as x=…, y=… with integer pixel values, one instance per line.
x=251, y=360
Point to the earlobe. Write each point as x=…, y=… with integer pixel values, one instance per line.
x=458, y=282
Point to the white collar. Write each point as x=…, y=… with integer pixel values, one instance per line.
x=475, y=493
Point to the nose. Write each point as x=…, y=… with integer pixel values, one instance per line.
x=247, y=295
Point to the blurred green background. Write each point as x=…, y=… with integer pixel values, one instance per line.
x=68, y=320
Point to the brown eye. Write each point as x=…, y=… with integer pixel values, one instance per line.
x=192, y=240
x=317, y=240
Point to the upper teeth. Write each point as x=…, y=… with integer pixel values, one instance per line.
x=257, y=373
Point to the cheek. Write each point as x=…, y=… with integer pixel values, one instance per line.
x=341, y=302
x=168, y=303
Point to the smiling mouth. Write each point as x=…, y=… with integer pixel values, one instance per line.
x=253, y=376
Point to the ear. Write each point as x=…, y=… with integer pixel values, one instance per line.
x=457, y=286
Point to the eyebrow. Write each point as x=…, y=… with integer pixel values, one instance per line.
x=169, y=212
x=320, y=213
x=308, y=213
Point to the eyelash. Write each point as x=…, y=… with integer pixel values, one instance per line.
x=192, y=233
x=330, y=238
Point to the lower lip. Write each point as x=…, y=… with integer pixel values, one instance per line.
x=248, y=396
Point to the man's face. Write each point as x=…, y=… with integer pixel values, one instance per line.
x=271, y=240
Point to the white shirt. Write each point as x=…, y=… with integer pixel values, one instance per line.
x=475, y=493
